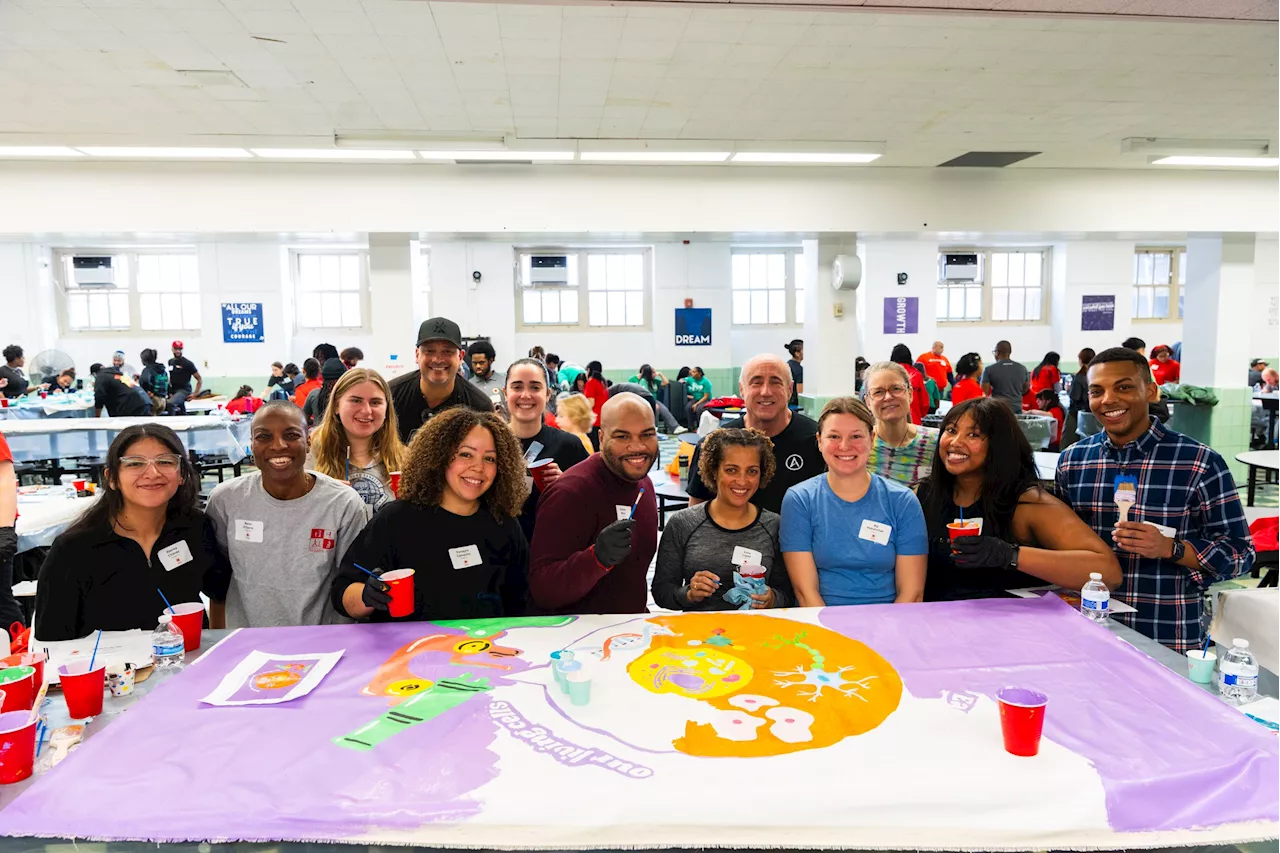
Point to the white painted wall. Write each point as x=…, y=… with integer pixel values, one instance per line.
x=1265, y=330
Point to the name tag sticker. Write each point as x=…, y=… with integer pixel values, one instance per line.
x=464, y=558
x=623, y=511
x=875, y=531
x=248, y=531
x=175, y=555
x=746, y=557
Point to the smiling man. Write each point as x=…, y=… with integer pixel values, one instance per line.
x=765, y=386
x=1186, y=529
x=590, y=553
x=435, y=386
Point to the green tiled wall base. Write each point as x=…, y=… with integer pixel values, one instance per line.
x=1224, y=427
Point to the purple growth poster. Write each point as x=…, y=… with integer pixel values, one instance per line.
x=901, y=315
x=1098, y=314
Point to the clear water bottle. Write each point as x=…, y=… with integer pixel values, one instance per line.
x=1238, y=674
x=1095, y=599
x=167, y=647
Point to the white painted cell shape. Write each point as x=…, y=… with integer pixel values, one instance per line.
x=751, y=702
x=789, y=724
x=733, y=725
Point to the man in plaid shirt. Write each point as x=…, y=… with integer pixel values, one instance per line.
x=1187, y=529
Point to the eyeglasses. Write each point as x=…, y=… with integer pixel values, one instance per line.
x=166, y=463
x=891, y=391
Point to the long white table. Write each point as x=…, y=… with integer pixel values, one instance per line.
x=63, y=438
x=41, y=520
x=32, y=407
x=1267, y=460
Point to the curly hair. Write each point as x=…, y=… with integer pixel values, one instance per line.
x=329, y=439
x=434, y=447
x=714, y=445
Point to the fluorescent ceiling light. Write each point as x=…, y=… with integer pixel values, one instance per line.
x=654, y=156
x=331, y=154
x=38, y=151
x=1190, y=160
x=495, y=154
x=175, y=153
x=801, y=157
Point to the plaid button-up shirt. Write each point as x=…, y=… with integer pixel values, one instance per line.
x=1182, y=484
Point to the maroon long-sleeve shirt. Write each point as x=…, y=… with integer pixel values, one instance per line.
x=564, y=576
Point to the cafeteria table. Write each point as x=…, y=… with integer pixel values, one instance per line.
x=64, y=438
x=34, y=407
x=44, y=512
x=670, y=494
x=1266, y=460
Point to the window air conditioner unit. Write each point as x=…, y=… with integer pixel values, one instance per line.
x=548, y=269
x=93, y=271
x=962, y=267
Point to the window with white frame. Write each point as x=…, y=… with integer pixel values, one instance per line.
x=330, y=289
x=115, y=290
x=764, y=288
x=1158, y=278
x=559, y=287
x=992, y=285
x=168, y=292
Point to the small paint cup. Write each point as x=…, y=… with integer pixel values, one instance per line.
x=401, y=583
x=44, y=395
x=1021, y=719
x=35, y=660
x=17, y=746
x=120, y=679
x=538, y=470
x=752, y=572
x=79, y=484
x=4, y=402
x=579, y=686
x=189, y=618
x=19, y=686
x=1200, y=665
x=395, y=483
x=83, y=688
x=957, y=529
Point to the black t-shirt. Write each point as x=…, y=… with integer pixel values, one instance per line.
x=17, y=382
x=285, y=383
x=120, y=400
x=945, y=581
x=181, y=369
x=797, y=376
x=98, y=579
x=411, y=407
x=147, y=379
x=795, y=450
x=404, y=535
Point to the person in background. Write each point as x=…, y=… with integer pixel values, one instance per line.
x=481, y=356
x=1255, y=371
x=291, y=372
x=357, y=441
x=984, y=473
x=313, y=407
x=282, y=529
x=324, y=352
x=13, y=382
x=435, y=386
x=66, y=382
x=915, y=379
x=1270, y=380
x=10, y=610
x=900, y=450
x=597, y=526
x=1138, y=345
x=244, y=403
x=652, y=381
x=568, y=372
x=574, y=415
x=116, y=392
x=860, y=366
x=278, y=378
x=154, y=381
x=1006, y=380
x=968, y=369
x=703, y=545
x=849, y=536
x=141, y=539
x=1186, y=529
x=312, y=381
x=796, y=350
x=700, y=393
x=1078, y=395
x=765, y=386
x=351, y=357
x=1047, y=403
x=1045, y=376
x=1163, y=367
x=937, y=366
x=1177, y=351
x=181, y=372
x=552, y=362
x=930, y=387
x=596, y=388
x=455, y=525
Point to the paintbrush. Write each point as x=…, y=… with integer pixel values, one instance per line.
x=1126, y=494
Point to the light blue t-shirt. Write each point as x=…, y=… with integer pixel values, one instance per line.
x=853, y=569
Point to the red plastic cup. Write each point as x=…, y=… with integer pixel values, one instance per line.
x=190, y=621
x=83, y=688
x=44, y=395
x=4, y=402
x=79, y=484
x=35, y=660
x=1021, y=719
x=17, y=746
x=19, y=686
x=401, y=583
x=538, y=470
x=395, y=483
x=957, y=529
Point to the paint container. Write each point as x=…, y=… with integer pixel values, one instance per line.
x=579, y=686
x=401, y=583
x=566, y=669
x=555, y=670
x=189, y=618
x=19, y=686
x=35, y=660
x=120, y=679
x=1021, y=719
x=83, y=688
x=957, y=529
x=395, y=483
x=17, y=746
x=538, y=470
x=1200, y=665
x=752, y=572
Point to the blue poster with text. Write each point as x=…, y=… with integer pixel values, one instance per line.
x=693, y=327
x=242, y=322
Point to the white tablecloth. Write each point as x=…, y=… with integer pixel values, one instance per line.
x=1253, y=615
x=63, y=438
x=32, y=407
x=40, y=522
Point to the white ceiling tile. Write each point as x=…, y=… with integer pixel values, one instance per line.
x=356, y=46
x=652, y=29
x=449, y=122
x=338, y=23
x=536, y=129
x=277, y=23
x=531, y=48
x=631, y=68
x=727, y=31
x=774, y=33
x=702, y=53
x=520, y=67
x=591, y=29
x=545, y=28
x=578, y=128
x=646, y=51
x=207, y=21
x=589, y=49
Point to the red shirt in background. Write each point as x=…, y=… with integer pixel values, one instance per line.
x=1049, y=377
x=937, y=366
x=300, y=394
x=244, y=405
x=965, y=389
x=1166, y=371
x=599, y=394
x=919, y=394
x=5, y=454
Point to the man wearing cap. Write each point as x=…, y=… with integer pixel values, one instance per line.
x=1255, y=371
x=435, y=385
x=180, y=372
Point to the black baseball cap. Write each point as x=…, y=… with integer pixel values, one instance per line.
x=440, y=329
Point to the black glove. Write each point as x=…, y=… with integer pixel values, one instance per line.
x=8, y=543
x=981, y=552
x=614, y=542
x=376, y=594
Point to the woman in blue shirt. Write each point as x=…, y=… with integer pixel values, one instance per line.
x=850, y=536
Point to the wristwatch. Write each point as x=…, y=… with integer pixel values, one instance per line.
x=1179, y=549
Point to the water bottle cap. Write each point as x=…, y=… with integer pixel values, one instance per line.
x=1239, y=643
x=1095, y=576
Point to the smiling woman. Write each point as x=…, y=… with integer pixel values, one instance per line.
x=357, y=441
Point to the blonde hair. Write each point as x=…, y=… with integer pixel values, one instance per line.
x=329, y=440
x=574, y=409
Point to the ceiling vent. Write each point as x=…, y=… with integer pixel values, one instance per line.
x=990, y=159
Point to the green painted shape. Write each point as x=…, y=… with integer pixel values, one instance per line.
x=481, y=628
x=440, y=697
